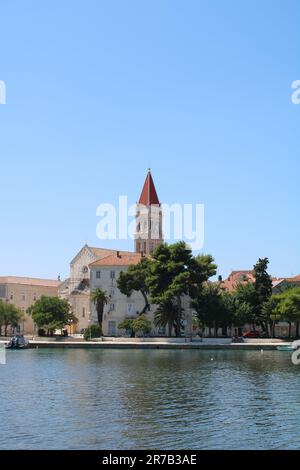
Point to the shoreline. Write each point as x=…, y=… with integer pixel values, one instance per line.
x=266, y=346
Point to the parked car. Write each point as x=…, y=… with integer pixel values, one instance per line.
x=251, y=334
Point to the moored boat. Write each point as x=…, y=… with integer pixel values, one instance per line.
x=18, y=342
x=286, y=348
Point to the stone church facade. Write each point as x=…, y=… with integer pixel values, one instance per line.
x=95, y=268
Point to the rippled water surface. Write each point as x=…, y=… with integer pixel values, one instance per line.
x=139, y=399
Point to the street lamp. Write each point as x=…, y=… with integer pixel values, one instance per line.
x=70, y=325
x=90, y=327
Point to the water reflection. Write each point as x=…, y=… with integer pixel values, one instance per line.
x=122, y=399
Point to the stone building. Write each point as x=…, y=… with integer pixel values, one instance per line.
x=76, y=289
x=104, y=275
x=95, y=268
x=23, y=292
x=149, y=233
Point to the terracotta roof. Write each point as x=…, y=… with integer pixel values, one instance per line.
x=124, y=259
x=101, y=252
x=291, y=280
x=104, y=252
x=295, y=278
x=29, y=281
x=241, y=271
x=237, y=277
x=149, y=195
x=242, y=277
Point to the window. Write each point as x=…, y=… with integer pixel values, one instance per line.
x=34, y=297
x=2, y=291
x=98, y=274
x=112, y=291
x=111, y=307
x=83, y=312
x=11, y=296
x=23, y=297
x=112, y=328
x=129, y=309
x=112, y=274
x=162, y=331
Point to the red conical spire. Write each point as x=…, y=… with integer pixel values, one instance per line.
x=149, y=194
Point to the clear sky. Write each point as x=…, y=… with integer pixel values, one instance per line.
x=98, y=91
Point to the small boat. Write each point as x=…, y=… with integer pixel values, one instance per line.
x=289, y=347
x=286, y=348
x=18, y=342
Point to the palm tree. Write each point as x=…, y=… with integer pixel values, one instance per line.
x=100, y=298
x=168, y=314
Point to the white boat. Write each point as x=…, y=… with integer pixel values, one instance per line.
x=289, y=347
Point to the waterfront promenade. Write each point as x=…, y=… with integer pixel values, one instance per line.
x=155, y=343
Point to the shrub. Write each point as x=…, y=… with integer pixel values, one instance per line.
x=93, y=331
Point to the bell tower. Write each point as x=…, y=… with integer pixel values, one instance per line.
x=148, y=219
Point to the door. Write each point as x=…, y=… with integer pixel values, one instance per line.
x=112, y=328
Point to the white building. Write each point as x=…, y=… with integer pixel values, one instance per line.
x=94, y=268
x=104, y=275
x=77, y=287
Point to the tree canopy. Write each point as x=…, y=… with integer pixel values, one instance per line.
x=287, y=307
x=175, y=272
x=100, y=298
x=141, y=324
x=168, y=315
x=134, y=279
x=51, y=313
x=10, y=316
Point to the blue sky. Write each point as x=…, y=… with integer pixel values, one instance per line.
x=98, y=91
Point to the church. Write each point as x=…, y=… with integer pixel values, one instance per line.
x=94, y=268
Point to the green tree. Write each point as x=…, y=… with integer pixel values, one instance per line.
x=141, y=324
x=100, y=298
x=175, y=272
x=270, y=312
x=134, y=279
x=242, y=312
x=245, y=304
x=93, y=331
x=168, y=315
x=263, y=290
x=288, y=307
x=214, y=308
x=263, y=281
x=10, y=316
x=51, y=313
x=127, y=324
